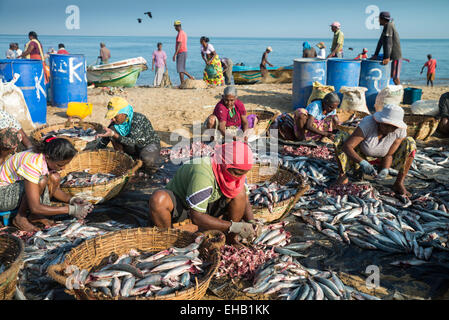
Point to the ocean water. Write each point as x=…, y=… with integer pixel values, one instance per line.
x=246, y=50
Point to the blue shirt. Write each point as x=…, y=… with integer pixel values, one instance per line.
x=315, y=109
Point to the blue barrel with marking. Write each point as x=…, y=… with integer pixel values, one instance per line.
x=374, y=76
x=68, y=79
x=343, y=72
x=31, y=82
x=305, y=72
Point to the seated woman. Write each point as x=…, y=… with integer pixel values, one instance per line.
x=203, y=189
x=212, y=59
x=308, y=51
x=380, y=139
x=130, y=132
x=315, y=122
x=230, y=115
x=29, y=179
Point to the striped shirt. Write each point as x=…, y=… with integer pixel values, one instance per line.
x=23, y=166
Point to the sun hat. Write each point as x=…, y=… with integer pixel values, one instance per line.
x=269, y=49
x=177, y=23
x=114, y=106
x=365, y=50
x=336, y=24
x=321, y=45
x=391, y=114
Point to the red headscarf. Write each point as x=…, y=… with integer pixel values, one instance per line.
x=237, y=155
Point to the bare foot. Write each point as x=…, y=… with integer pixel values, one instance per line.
x=400, y=190
x=23, y=224
x=40, y=219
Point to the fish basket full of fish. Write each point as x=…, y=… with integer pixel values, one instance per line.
x=98, y=176
x=273, y=191
x=78, y=134
x=139, y=264
x=11, y=261
x=264, y=119
x=420, y=127
x=350, y=120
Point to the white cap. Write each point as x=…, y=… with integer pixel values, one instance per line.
x=269, y=49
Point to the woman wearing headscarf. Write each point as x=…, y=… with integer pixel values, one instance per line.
x=308, y=51
x=130, y=132
x=34, y=50
x=213, y=73
x=380, y=140
x=203, y=189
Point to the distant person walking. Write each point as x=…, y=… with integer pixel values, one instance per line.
x=11, y=53
x=213, y=73
x=308, y=51
x=389, y=40
x=337, y=42
x=322, y=53
x=160, y=60
x=431, y=65
x=227, y=65
x=180, y=55
x=61, y=49
x=105, y=54
x=264, y=62
x=34, y=50
x=363, y=55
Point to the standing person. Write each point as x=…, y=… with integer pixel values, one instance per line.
x=61, y=49
x=337, y=42
x=308, y=51
x=180, y=55
x=363, y=55
x=431, y=65
x=322, y=53
x=18, y=50
x=227, y=65
x=105, y=54
x=34, y=50
x=160, y=60
x=213, y=73
x=11, y=53
x=389, y=40
x=264, y=62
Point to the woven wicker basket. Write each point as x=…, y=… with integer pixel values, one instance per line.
x=11, y=254
x=263, y=172
x=264, y=120
x=420, y=127
x=346, y=115
x=79, y=144
x=102, y=161
x=92, y=251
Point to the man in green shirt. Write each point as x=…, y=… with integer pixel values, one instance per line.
x=337, y=42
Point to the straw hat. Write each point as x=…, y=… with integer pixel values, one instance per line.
x=177, y=23
x=114, y=106
x=321, y=45
x=391, y=114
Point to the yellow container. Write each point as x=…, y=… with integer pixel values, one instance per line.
x=79, y=109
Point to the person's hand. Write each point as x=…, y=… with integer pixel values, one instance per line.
x=152, y=68
x=382, y=174
x=174, y=58
x=367, y=168
x=385, y=61
x=77, y=200
x=374, y=57
x=108, y=133
x=79, y=211
x=420, y=72
x=243, y=229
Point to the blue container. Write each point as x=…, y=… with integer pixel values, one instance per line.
x=343, y=72
x=31, y=82
x=305, y=72
x=374, y=76
x=411, y=95
x=68, y=79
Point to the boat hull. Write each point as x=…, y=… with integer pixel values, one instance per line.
x=253, y=75
x=118, y=74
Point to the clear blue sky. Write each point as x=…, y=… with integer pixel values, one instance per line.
x=232, y=18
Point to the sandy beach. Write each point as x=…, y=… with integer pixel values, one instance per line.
x=171, y=109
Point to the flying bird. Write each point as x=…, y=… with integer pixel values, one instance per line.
x=350, y=49
x=139, y=20
x=149, y=14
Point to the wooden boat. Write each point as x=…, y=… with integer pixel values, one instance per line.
x=251, y=75
x=122, y=73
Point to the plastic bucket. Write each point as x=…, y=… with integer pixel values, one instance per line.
x=343, y=72
x=31, y=82
x=68, y=79
x=305, y=72
x=374, y=76
x=411, y=95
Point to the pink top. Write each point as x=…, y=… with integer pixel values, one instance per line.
x=222, y=113
x=159, y=58
x=181, y=37
x=431, y=65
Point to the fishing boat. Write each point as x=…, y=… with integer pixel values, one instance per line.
x=122, y=73
x=251, y=75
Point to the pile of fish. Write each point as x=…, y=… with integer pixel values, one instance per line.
x=85, y=179
x=48, y=247
x=353, y=121
x=358, y=190
x=75, y=132
x=431, y=163
x=142, y=274
x=273, y=235
x=267, y=194
x=196, y=149
x=320, y=152
x=290, y=280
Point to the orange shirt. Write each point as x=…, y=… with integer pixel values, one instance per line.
x=431, y=65
x=181, y=37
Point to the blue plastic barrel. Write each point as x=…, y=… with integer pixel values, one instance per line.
x=31, y=82
x=374, y=76
x=68, y=79
x=343, y=72
x=305, y=72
